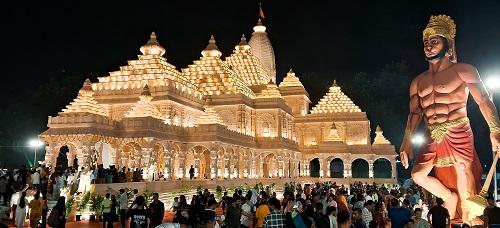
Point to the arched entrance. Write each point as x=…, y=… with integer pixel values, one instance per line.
x=337, y=168
x=106, y=153
x=382, y=168
x=268, y=167
x=204, y=172
x=62, y=157
x=131, y=156
x=314, y=167
x=360, y=168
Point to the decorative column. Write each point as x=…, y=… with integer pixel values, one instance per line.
x=182, y=166
x=253, y=169
x=213, y=164
x=167, y=171
x=197, y=166
x=49, y=154
x=145, y=161
x=370, y=169
x=348, y=170
x=394, y=170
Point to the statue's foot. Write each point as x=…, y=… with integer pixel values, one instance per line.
x=476, y=221
x=451, y=204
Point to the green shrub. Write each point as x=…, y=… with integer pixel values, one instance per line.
x=84, y=202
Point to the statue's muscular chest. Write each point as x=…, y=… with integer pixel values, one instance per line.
x=441, y=87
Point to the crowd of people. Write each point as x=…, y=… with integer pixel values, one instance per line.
x=320, y=205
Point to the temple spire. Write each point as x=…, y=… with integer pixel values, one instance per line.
x=144, y=107
x=211, y=50
x=379, y=137
x=85, y=102
x=291, y=80
x=209, y=116
x=262, y=48
x=152, y=47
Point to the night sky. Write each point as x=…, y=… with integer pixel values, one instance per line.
x=44, y=41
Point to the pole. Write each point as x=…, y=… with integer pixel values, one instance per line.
x=495, y=184
x=34, y=161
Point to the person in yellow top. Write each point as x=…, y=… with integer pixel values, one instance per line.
x=261, y=212
x=35, y=211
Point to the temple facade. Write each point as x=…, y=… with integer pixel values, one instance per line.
x=226, y=117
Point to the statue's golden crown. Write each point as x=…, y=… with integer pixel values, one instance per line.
x=441, y=25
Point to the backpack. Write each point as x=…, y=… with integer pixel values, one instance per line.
x=53, y=218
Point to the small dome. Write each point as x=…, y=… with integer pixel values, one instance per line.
x=259, y=27
x=211, y=49
x=152, y=47
x=243, y=45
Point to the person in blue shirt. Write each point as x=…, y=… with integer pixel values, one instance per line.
x=398, y=215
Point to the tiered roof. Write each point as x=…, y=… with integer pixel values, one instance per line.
x=291, y=80
x=379, y=137
x=85, y=102
x=262, y=49
x=335, y=101
x=144, y=107
x=151, y=68
x=333, y=136
x=213, y=76
x=270, y=91
x=209, y=116
x=246, y=65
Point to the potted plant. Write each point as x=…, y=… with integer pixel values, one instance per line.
x=218, y=192
x=96, y=205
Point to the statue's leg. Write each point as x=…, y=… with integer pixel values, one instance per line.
x=420, y=175
x=466, y=185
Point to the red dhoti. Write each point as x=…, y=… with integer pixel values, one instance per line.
x=450, y=143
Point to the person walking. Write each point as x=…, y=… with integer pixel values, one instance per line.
x=35, y=211
x=138, y=213
x=45, y=210
x=58, y=219
x=157, y=211
x=438, y=215
x=21, y=210
x=123, y=207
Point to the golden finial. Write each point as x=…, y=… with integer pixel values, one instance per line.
x=243, y=40
x=211, y=49
x=152, y=47
x=291, y=71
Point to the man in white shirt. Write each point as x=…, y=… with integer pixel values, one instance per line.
x=246, y=213
x=13, y=202
x=332, y=216
x=35, y=179
x=123, y=207
x=367, y=211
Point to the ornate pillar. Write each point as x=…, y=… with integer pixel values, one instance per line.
x=213, y=164
x=145, y=161
x=167, y=171
x=182, y=166
x=348, y=170
x=394, y=169
x=370, y=169
x=49, y=154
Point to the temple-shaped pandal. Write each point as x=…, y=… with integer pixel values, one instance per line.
x=226, y=117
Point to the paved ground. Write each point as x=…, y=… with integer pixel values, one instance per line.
x=169, y=216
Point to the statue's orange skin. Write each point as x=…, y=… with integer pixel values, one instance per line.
x=440, y=95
